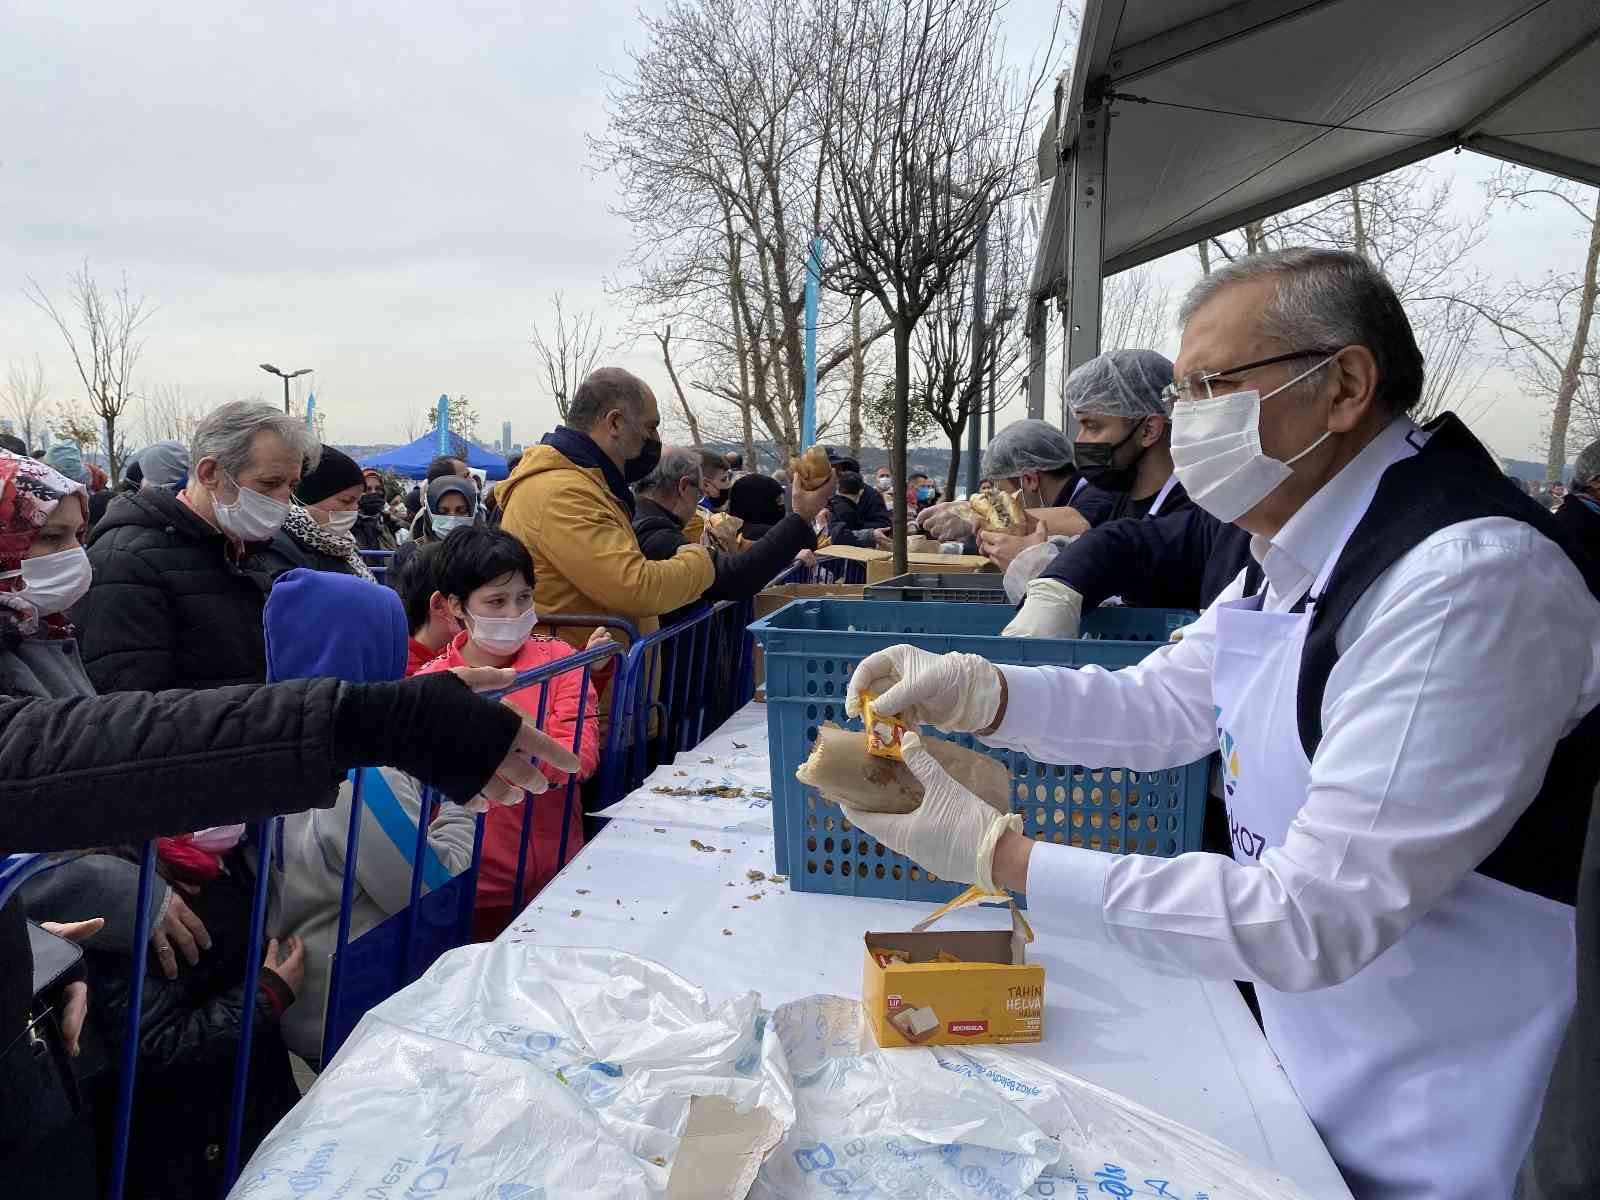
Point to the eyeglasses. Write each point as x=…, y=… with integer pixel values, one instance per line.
x=1196, y=385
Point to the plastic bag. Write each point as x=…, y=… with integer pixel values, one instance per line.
x=945, y=1122
x=521, y=1071
x=1030, y=563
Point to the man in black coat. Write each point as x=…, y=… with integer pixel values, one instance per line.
x=180, y=581
x=855, y=511
x=667, y=499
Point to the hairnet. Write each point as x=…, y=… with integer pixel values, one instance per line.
x=1587, y=468
x=1027, y=446
x=1120, y=383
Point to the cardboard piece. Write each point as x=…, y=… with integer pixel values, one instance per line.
x=774, y=598
x=991, y=996
x=880, y=563
x=722, y=1150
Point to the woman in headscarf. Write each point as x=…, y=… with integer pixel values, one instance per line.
x=452, y=503
x=327, y=510
x=196, y=1004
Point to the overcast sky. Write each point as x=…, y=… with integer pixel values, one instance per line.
x=388, y=193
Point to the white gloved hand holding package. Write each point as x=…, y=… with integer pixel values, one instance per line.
x=959, y=693
x=952, y=833
x=1031, y=562
x=948, y=522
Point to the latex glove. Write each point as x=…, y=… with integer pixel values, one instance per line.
x=1029, y=564
x=1001, y=548
x=1050, y=609
x=952, y=834
x=957, y=692
x=948, y=522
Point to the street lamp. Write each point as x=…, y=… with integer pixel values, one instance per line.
x=272, y=370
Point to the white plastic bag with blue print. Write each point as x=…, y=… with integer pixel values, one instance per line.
x=945, y=1123
x=515, y=1072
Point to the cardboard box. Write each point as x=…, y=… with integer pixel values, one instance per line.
x=880, y=563
x=991, y=996
x=774, y=598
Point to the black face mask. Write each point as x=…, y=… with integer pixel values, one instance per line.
x=1095, y=462
x=641, y=464
x=370, y=504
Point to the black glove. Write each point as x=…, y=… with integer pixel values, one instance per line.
x=432, y=726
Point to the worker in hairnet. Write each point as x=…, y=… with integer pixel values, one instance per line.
x=1123, y=447
x=1032, y=462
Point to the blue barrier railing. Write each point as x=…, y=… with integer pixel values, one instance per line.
x=378, y=563
x=407, y=943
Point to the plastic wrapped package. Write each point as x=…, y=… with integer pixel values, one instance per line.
x=1030, y=563
x=515, y=1072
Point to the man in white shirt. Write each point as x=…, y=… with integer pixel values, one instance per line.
x=1405, y=842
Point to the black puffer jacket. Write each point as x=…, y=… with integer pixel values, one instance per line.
x=169, y=607
x=851, y=522
x=739, y=576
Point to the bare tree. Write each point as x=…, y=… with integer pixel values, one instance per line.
x=71, y=423
x=167, y=413
x=1136, y=311
x=665, y=338
x=569, y=354
x=925, y=136
x=103, y=334
x=26, y=397
x=724, y=198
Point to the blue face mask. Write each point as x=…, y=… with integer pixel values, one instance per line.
x=924, y=493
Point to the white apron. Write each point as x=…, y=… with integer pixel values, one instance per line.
x=1425, y=1071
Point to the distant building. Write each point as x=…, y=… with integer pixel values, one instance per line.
x=505, y=437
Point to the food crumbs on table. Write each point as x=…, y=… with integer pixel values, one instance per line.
x=755, y=876
x=727, y=933
x=777, y=879
x=577, y=912
x=721, y=792
x=760, y=794
x=583, y=891
x=708, y=760
x=659, y=1161
x=680, y=774
x=757, y=896
x=619, y=902
x=740, y=746
x=727, y=851
x=736, y=906
x=697, y=844
x=657, y=829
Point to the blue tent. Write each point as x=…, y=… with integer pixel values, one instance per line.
x=411, y=462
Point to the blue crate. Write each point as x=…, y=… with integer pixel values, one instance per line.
x=811, y=648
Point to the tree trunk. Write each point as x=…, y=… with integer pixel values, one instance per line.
x=1358, y=221
x=897, y=451
x=955, y=462
x=858, y=375
x=112, y=461
x=1204, y=247
x=1561, y=412
x=1255, y=237
x=688, y=413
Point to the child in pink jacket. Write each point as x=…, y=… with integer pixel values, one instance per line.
x=485, y=578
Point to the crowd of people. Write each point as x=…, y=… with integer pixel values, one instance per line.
x=206, y=644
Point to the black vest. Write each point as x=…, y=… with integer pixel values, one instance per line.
x=1450, y=480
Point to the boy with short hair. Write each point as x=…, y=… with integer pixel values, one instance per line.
x=484, y=579
x=427, y=615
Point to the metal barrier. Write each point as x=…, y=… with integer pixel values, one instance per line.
x=384, y=959
x=378, y=563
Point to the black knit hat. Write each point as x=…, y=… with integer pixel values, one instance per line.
x=334, y=473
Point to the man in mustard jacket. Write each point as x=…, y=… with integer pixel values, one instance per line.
x=571, y=504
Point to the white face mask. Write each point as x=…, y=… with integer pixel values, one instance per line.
x=442, y=525
x=53, y=583
x=343, y=521
x=1216, y=451
x=885, y=483
x=502, y=635
x=252, y=517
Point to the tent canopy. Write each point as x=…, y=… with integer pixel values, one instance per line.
x=411, y=461
x=1188, y=118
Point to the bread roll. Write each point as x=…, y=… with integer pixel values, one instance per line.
x=841, y=769
x=812, y=468
x=998, y=512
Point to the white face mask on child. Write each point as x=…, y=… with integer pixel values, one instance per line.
x=501, y=635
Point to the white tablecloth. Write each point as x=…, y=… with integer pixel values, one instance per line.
x=1187, y=1048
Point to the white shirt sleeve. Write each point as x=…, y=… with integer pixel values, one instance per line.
x=1154, y=715
x=1459, y=671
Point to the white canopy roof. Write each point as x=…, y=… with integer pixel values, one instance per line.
x=1205, y=115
